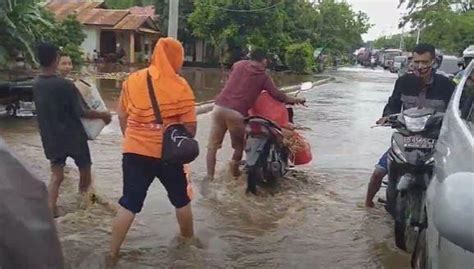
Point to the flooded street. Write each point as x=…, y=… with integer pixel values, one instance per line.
x=315, y=219
x=205, y=82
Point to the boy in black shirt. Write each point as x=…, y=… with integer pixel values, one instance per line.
x=59, y=110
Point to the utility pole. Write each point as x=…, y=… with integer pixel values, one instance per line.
x=173, y=18
x=418, y=36
x=401, y=38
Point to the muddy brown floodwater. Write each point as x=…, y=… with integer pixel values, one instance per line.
x=206, y=82
x=314, y=219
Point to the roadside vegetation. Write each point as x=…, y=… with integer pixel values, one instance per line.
x=448, y=25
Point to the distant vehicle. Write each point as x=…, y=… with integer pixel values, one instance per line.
x=469, y=51
x=363, y=56
x=398, y=63
x=380, y=58
x=16, y=98
x=448, y=240
x=449, y=66
x=373, y=62
x=389, y=55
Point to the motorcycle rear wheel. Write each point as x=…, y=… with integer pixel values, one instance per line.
x=254, y=177
x=258, y=176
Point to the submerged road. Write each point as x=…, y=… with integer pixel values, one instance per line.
x=315, y=219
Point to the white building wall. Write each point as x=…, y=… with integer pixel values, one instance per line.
x=91, y=42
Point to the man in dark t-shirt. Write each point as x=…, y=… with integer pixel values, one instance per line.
x=423, y=88
x=59, y=110
x=247, y=79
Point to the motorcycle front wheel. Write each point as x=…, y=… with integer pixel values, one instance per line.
x=420, y=255
x=406, y=234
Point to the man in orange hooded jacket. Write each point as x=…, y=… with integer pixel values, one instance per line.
x=143, y=137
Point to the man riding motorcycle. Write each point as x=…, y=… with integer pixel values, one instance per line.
x=467, y=57
x=423, y=88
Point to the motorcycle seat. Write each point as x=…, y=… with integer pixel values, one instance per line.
x=262, y=120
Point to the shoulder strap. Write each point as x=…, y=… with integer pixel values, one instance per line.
x=154, y=102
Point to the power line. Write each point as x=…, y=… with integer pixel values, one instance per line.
x=248, y=10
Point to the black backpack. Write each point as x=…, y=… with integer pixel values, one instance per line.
x=179, y=147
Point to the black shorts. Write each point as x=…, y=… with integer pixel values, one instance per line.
x=138, y=174
x=82, y=158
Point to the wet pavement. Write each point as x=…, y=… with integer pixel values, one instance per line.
x=314, y=219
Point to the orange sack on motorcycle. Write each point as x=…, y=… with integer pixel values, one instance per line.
x=302, y=155
x=269, y=108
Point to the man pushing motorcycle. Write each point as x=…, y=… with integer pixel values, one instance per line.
x=247, y=79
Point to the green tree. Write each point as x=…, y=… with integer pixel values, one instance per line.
x=19, y=24
x=224, y=26
x=122, y=4
x=393, y=41
x=69, y=37
x=299, y=57
x=339, y=27
x=274, y=25
x=25, y=23
x=447, y=24
x=416, y=5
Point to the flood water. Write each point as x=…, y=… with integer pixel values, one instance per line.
x=206, y=83
x=315, y=218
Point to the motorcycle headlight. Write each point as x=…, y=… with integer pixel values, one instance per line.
x=430, y=161
x=416, y=124
x=398, y=151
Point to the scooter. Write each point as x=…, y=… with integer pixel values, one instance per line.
x=411, y=163
x=267, y=158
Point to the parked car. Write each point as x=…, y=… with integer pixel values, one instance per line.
x=16, y=98
x=448, y=239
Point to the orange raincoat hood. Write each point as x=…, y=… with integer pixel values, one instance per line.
x=174, y=95
x=168, y=57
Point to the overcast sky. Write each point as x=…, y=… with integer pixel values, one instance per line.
x=383, y=14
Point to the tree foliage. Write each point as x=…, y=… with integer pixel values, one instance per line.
x=275, y=25
x=340, y=28
x=299, y=57
x=409, y=41
x=125, y=4
x=20, y=22
x=447, y=24
x=25, y=23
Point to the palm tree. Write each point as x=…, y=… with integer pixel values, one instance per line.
x=19, y=21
